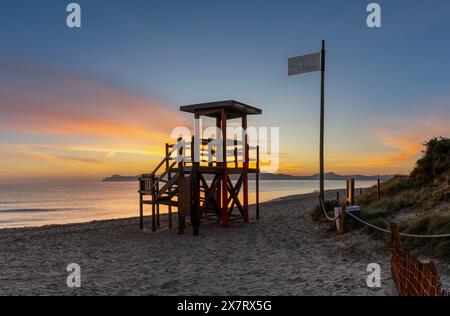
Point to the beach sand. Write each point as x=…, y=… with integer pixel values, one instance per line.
x=282, y=254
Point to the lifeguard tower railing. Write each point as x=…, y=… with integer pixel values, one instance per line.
x=177, y=168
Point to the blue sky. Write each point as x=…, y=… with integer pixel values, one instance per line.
x=380, y=83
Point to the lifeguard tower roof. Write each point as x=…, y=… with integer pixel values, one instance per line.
x=233, y=108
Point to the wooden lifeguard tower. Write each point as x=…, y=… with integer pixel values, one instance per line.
x=205, y=188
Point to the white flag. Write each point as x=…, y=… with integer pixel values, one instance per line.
x=304, y=64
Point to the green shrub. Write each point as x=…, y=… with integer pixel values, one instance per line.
x=435, y=162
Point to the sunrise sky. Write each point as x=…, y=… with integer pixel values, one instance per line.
x=87, y=103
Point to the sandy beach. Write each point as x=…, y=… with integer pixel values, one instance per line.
x=282, y=254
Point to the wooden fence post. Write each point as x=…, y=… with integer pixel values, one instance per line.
x=379, y=189
x=350, y=192
x=396, y=243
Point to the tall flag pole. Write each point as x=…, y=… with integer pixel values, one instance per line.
x=311, y=63
x=322, y=122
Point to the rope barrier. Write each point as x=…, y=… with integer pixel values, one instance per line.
x=401, y=234
x=368, y=224
x=325, y=212
x=377, y=227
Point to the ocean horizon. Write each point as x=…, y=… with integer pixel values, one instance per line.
x=35, y=205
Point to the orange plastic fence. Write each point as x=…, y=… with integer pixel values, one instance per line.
x=414, y=277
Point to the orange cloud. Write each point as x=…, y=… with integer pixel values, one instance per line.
x=66, y=123
x=76, y=105
x=399, y=143
x=392, y=146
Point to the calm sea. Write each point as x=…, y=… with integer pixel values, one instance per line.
x=27, y=205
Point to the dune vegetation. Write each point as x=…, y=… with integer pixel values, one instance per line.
x=419, y=203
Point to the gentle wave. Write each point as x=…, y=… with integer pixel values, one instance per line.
x=37, y=210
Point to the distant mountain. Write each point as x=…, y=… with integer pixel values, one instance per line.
x=328, y=176
x=119, y=178
x=273, y=177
